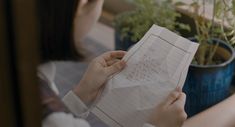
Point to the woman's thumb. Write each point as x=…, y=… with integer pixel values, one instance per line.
x=172, y=97
x=180, y=102
x=115, y=68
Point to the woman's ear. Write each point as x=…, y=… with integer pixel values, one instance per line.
x=88, y=13
x=81, y=5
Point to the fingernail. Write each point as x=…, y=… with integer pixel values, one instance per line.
x=123, y=62
x=120, y=66
x=179, y=89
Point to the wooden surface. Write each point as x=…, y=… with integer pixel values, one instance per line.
x=20, y=103
x=7, y=108
x=25, y=29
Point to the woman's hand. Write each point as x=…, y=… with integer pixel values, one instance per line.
x=99, y=70
x=170, y=113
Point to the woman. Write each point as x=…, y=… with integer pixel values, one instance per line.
x=64, y=23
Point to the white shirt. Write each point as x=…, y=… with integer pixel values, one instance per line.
x=75, y=105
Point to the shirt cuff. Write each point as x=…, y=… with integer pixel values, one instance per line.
x=75, y=105
x=61, y=119
x=148, y=125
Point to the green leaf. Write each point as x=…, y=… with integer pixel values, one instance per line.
x=233, y=39
x=134, y=24
x=194, y=5
x=218, y=8
x=233, y=7
x=231, y=33
x=179, y=3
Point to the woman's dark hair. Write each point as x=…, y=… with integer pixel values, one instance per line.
x=56, y=22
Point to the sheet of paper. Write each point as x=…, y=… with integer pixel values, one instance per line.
x=156, y=65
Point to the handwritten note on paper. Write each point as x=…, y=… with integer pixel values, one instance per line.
x=155, y=66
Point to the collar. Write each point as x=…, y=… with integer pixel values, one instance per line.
x=47, y=72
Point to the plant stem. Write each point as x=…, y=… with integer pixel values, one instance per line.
x=212, y=53
x=213, y=19
x=223, y=19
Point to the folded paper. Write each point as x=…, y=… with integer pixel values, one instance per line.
x=156, y=65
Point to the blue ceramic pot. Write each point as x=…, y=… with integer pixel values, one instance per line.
x=122, y=44
x=233, y=80
x=207, y=85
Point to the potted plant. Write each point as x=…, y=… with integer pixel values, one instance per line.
x=210, y=74
x=229, y=17
x=131, y=26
